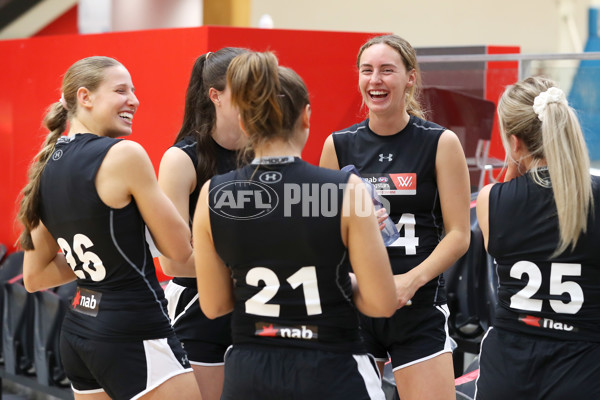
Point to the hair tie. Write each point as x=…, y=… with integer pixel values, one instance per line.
x=552, y=95
x=210, y=53
x=63, y=101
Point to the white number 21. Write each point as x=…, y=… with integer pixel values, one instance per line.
x=305, y=276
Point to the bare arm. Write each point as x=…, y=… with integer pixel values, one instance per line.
x=483, y=208
x=44, y=267
x=177, y=179
x=215, y=286
x=374, y=292
x=127, y=172
x=328, y=155
x=452, y=178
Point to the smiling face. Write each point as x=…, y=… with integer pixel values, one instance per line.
x=383, y=80
x=113, y=103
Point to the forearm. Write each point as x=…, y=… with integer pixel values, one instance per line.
x=178, y=269
x=37, y=276
x=453, y=246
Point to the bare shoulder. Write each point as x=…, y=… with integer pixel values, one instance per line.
x=448, y=140
x=175, y=158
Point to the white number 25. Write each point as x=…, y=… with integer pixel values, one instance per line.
x=523, y=300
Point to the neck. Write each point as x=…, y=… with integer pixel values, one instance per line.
x=77, y=126
x=230, y=139
x=386, y=125
x=277, y=148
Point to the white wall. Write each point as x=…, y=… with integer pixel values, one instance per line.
x=535, y=25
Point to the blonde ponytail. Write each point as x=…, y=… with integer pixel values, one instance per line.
x=89, y=73
x=29, y=211
x=550, y=131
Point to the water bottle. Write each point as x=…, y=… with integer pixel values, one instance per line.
x=390, y=233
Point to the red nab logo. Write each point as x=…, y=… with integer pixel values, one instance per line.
x=267, y=331
x=546, y=323
x=405, y=183
x=86, y=301
x=306, y=332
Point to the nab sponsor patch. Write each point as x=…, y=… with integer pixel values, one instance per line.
x=393, y=184
x=86, y=301
x=306, y=332
x=546, y=323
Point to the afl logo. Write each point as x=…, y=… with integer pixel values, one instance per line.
x=383, y=179
x=57, y=155
x=270, y=177
x=242, y=200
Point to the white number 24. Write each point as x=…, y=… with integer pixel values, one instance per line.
x=523, y=300
x=305, y=276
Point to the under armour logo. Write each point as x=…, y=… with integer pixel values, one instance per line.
x=382, y=157
x=270, y=177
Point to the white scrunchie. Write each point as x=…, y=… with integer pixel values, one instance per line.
x=552, y=95
x=63, y=101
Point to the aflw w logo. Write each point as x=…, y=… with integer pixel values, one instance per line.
x=405, y=183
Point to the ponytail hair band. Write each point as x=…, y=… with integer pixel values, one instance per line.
x=63, y=101
x=552, y=95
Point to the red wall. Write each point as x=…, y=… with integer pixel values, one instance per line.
x=160, y=62
x=498, y=75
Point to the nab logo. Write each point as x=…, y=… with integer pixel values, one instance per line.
x=387, y=158
x=270, y=177
x=405, y=183
x=547, y=323
x=293, y=332
x=57, y=155
x=86, y=301
x=242, y=200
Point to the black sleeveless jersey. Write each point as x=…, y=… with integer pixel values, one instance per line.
x=278, y=228
x=118, y=296
x=556, y=297
x=226, y=161
x=402, y=169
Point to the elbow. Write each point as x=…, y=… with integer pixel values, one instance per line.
x=463, y=245
x=384, y=307
x=166, y=266
x=214, y=312
x=31, y=284
x=386, y=310
x=180, y=256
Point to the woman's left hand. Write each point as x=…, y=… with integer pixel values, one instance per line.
x=406, y=288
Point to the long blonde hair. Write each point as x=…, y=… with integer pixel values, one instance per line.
x=88, y=73
x=555, y=135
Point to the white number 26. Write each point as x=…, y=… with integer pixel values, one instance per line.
x=92, y=264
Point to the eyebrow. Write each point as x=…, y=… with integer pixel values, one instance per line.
x=382, y=65
x=125, y=85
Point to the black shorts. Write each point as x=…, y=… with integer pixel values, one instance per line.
x=412, y=335
x=276, y=373
x=204, y=340
x=124, y=370
x=518, y=366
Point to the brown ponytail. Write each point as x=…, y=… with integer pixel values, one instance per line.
x=255, y=87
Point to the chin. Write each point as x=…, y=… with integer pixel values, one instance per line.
x=118, y=133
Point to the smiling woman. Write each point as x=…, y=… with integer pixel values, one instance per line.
x=84, y=211
x=420, y=169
